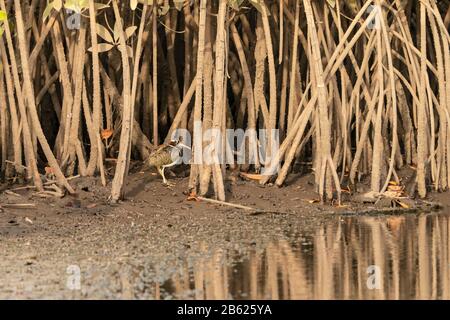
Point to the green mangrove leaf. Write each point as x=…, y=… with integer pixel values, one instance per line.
x=104, y=33
x=103, y=47
x=3, y=15
x=129, y=32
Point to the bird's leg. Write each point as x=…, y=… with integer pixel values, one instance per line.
x=167, y=183
x=161, y=173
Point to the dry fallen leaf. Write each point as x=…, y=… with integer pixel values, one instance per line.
x=106, y=134
x=192, y=197
x=395, y=188
x=251, y=176
x=49, y=170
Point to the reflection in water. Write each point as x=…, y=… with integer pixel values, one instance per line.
x=411, y=254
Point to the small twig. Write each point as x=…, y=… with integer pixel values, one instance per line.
x=11, y=193
x=226, y=203
x=16, y=164
x=48, y=183
x=170, y=29
x=54, y=181
x=48, y=194
x=254, y=211
x=18, y=205
x=23, y=188
x=56, y=189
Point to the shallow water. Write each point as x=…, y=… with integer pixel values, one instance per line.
x=388, y=257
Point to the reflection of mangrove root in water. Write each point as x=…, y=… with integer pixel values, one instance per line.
x=342, y=260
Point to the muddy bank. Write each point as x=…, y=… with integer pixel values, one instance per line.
x=130, y=250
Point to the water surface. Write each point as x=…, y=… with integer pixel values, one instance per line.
x=388, y=257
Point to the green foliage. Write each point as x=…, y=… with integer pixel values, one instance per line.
x=134, y=3
x=77, y=6
x=3, y=18
x=112, y=38
x=162, y=9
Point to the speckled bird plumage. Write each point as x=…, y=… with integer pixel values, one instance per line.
x=167, y=155
x=162, y=156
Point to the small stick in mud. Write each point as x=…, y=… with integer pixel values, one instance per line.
x=225, y=203
x=18, y=206
x=253, y=211
x=13, y=163
x=50, y=182
x=47, y=183
x=11, y=193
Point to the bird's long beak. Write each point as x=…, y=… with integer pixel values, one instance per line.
x=184, y=146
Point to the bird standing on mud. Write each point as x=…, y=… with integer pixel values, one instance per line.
x=167, y=155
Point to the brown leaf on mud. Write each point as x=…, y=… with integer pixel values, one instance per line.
x=193, y=197
x=251, y=176
x=394, y=190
